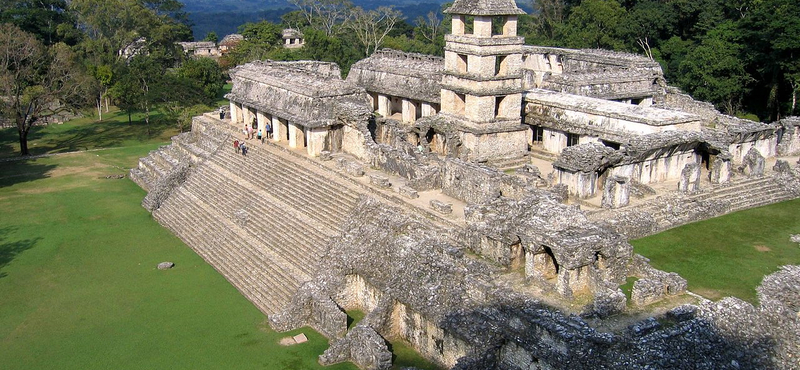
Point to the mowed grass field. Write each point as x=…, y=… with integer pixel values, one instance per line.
x=79, y=287
x=728, y=255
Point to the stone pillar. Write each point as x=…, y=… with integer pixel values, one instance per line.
x=296, y=135
x=384, y=105
x=720, y=171
x=246, y=117
x=690, y=178
x=278, y=129
x=428, y=110
x=315, y=137
x=754, y=163
x=616, y=193
x=262, y=119
x=234, y=113
x=409, y=111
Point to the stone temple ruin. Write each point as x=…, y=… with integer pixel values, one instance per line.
x=478, y=206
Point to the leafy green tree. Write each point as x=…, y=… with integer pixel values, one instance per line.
x=594, y=24
x=772, y=33
x=41, y=18
x=211, y=36
x=714, y=71
x=36, y=81
x=205, y=73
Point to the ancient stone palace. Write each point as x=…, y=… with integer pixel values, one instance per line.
x=479, y=206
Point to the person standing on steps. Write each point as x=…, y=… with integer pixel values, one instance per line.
x=244, y=149
x=259, y=137
x=268, y=128
x=236, y=145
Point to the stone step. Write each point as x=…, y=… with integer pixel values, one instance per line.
x=227, y=251
x=295, y=241
x=271, y=174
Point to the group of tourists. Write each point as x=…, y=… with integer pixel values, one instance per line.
x=240, y=147
x=252, y=131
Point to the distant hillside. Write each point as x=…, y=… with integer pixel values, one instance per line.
x=225, y=16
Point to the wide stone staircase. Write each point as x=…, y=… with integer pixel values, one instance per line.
x=262, y=220
x=194, y=146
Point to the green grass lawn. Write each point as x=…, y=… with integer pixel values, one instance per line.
x=728, y=255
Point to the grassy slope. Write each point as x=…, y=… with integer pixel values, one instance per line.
x=728, y=255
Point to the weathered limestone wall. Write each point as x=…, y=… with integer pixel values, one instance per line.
x=660, y=166
x=598, y=118
x=508, y=144
x=790, y=136
x=768, y=147
x=394, y=73
x=428, y=339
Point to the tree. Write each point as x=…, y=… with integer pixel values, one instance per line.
x=429, y=27
x=713, y=71
x=36, y=81
x=41, y=18
x=205, y=73
x=372, y=26
x=549, y=18
x=595, y=24
x=211, y=36
x=324, y=14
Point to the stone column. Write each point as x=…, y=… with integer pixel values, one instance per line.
x=384, y=105
x=409, y=111
x=262, y=119
x=315, y=137
x=234, y=113
x=428, y=110
x=245, y=115
x=278, y=129
x=296, y=135
x=720, y=171
x=690, y=178
x=616, y=192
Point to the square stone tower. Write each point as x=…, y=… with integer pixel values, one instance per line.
x=482, y=82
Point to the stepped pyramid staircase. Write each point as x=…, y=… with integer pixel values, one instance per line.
x=262, y=220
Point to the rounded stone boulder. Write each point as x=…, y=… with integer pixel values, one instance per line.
x=165, y=265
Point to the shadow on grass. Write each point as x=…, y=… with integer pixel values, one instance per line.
x=21, y=171
x=105, y=134
x=10, y=249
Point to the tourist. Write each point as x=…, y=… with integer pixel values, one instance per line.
x=236, y=145
x=260, y=137
x=244, y=131
x=221, y=113
x=249, y=133
x=244, y=149
x=268, y=127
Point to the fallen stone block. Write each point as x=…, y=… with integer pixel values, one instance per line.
x=408, y=192
x=379, y=180
x=325, y=155
x=354, y=169
x=441, y=207
x=165, y=265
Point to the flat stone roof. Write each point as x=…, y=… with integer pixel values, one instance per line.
x=312, y=79
x=596, y=55
x=647, y=115
x=409, y=75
